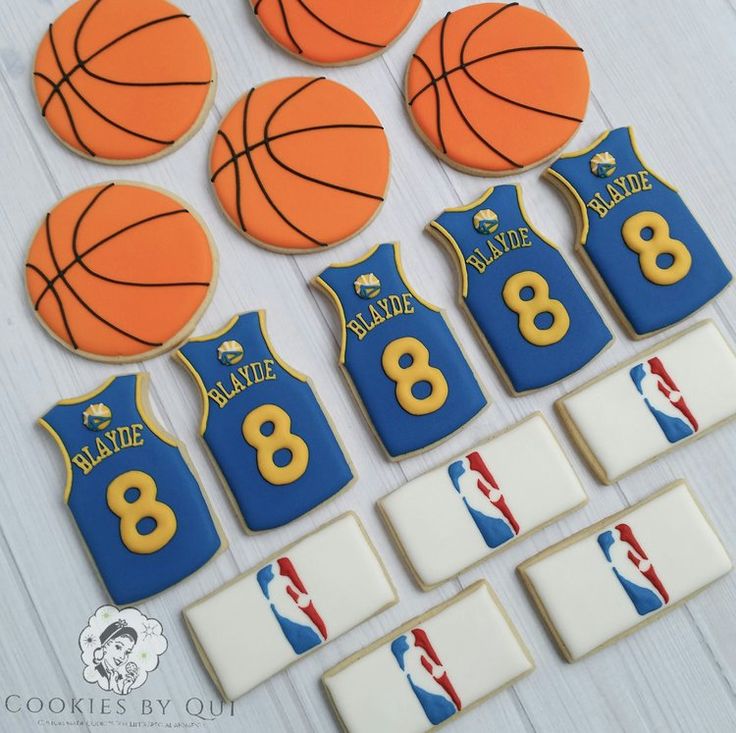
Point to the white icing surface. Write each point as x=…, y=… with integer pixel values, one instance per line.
x=238, y=632
x=475, y=644
x=436, y=531
x=584, y=600
x=616, y=424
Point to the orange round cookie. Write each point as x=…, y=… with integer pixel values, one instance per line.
x=299, y=164
x=494, y=89
x=331, y=32
x=120, y=272
x=123, y=80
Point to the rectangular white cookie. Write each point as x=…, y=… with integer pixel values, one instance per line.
x=442, y=531
x=321, y=586
x=662, y=551
x=469, y=643
x=689, y=383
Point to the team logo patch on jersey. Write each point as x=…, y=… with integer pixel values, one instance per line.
x=291, y=604
x=367, y=286
x=633, y=569
x=229, y=353
x=664, y=399
x=426, y=675
x=485, y=221
x=602, y=165
x=97, y=416
x=483, y=499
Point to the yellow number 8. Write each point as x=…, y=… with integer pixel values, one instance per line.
x=660, y=243
x=280, y=439
x=539, y=303
x=418, y=371
x=144, y=506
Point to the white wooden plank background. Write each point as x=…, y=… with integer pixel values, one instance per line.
x=666, y=66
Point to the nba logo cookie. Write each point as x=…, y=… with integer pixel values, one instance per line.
x=485, y=221
x=367, y=286
x=96, y=416
x=632, y=567
x=483, y=499
x=229, y=353
x=291, y=604
x=602, y=165
x=664, y=400
x=426, y=675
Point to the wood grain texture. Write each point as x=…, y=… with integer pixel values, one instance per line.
x=665, y=67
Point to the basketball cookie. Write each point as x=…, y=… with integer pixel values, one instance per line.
x=120, y=272
x=299, y=164
x=332, y=32
x=122, y=81
x=494, y=89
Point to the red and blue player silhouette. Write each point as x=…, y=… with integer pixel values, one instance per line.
x=664, y=399
x=633, y=569
x=483, y=499
x=291, y=604
x=426, y=675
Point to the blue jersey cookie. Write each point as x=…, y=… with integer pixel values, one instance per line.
x=399, y=354
x=136, y=501
x=264, y=426
x=527, y=304
x=647, y=249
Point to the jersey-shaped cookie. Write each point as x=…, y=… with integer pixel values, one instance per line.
x=135, y=499
x=264, y=427
x=399, y=354
x=536, y=319
x=643, y=244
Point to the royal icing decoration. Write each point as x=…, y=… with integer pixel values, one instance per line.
x=299, y=164
x=136, y=501
x=495, y=88
x=123, y=81
x=665, y=397
x=301, y=598
x=461, y=512
x=530, y=309
x=335, y=31
x=399, y=354
x=432, y=669
x=611, y=578
x=652, y=256
x=120, y=272
x=263, y=425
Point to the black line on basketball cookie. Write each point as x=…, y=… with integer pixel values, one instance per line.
x=78, y=298
x=254, y=170
x=69, y=115
x=295, y=172
x=266, y=140
x=93, y=108
x=319, y=20
x=236, y=166
x=79, y=257
x=298, y=131
x=492, y=92
x=437, y=99
x=40, y=273
x=81, y=64
x=463, y=66
x=457, y=106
